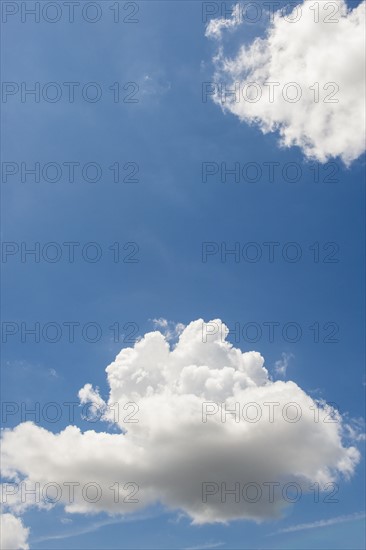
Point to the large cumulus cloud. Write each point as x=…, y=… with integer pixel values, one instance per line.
x=167, y=448
x=306, y=47
x=13, y=534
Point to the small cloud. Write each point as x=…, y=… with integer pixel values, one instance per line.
x=215, y=27
x=66, y=521
x=205, y=546
x=355, y=429
x=178, y=518
x=170, y=329
x=315, y=391
x=154, y=86
x=282, y=364
x=19, y=364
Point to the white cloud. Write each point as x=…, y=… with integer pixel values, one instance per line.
x=170, y=329
x=13, y=534
x=322, y=523
x=216, y=27
x=169, y=453
x=90, y=528
x=305, y=52
x=206, y=546
x=282, y=364
x=154, y=86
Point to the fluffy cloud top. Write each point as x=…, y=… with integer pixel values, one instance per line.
x=166, y=450
x=13, y=534
x=316, y=47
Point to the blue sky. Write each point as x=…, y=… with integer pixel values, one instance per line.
x=169, y=213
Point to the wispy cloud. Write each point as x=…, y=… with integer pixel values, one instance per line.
x=321, y=523
x=93, y=527
x=80, y=531
x=282, y=364
x=205, y=546
x=170, y=329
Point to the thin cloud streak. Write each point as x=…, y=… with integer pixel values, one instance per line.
x=321, y=523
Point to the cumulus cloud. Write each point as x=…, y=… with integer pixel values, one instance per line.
x=13, y=534
x=172, y=406
x=304, y=79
